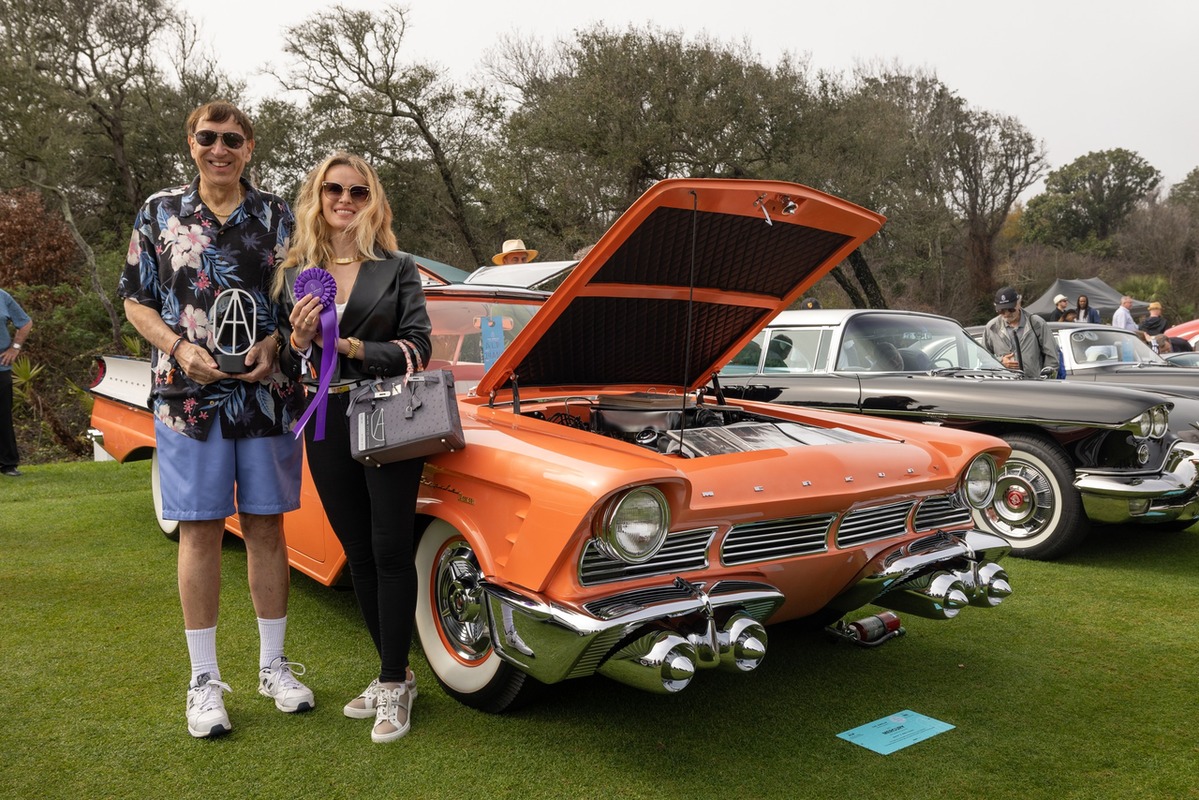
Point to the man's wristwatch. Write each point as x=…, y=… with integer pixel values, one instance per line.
x=16, y=345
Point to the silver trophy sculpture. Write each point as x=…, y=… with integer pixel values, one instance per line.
x=235, y=319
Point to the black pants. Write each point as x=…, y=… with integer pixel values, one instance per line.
x=372, y=511
x=8, y=437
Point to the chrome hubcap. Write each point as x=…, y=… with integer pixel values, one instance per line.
x=1023, y=504
x=460, y=605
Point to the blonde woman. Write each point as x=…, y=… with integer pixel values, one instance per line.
x=343, y=227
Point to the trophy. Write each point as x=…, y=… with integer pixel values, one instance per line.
x=235, y=324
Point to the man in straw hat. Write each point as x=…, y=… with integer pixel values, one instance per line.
x=514, y=252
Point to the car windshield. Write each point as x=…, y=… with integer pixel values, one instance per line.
x=1094, y=347
x=871, y=343
x=469, y=335
x=902, y=343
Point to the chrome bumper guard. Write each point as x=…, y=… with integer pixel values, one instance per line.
x=656, y=638
x=1172, y=494
x=652, y=638
x=935, y=576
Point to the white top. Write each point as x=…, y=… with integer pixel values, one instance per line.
x=1122, y=318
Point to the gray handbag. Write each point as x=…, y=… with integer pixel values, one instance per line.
x=411, y=416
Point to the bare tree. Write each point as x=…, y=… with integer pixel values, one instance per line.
x=993, y=159
x=353, y=61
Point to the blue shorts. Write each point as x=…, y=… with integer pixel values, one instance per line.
x=198, y=478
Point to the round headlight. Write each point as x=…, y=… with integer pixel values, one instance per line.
x=979, y=482
x=1143, y=424
x=1161, y=421
x=635, y=525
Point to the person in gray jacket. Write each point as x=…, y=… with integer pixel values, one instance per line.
x=1022, y=341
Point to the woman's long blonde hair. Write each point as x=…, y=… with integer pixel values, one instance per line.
x=312, y=240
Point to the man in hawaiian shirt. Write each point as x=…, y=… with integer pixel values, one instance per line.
x=216, y=431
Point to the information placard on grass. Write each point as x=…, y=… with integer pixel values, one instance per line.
x=895, y=732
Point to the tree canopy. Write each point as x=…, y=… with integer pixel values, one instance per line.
x=1085, y=201
x=550, y=143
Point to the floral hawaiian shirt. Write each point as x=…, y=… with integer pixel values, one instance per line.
x=180, y=258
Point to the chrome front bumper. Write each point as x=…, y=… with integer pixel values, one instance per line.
x=660, y=628
x=656, y=638
x=1172, y=494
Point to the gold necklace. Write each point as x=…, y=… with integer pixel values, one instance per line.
x=223, y=215
x=346, y=260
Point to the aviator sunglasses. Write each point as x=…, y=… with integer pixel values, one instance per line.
x=232, y=140
x=358, y=192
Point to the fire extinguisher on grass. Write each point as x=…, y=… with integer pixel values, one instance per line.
x=870, y=631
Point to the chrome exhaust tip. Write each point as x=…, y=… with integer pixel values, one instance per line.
x=939, y=595
x=742, y=643
x=993, y=586
x=659, y=661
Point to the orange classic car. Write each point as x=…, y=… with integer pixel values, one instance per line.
x=612, y=512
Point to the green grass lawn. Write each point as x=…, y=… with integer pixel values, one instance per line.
x=1082, y=685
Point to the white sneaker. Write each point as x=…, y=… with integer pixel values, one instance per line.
x=279, y=683
x=363, y=706
x=393, y=716
x=206, y=714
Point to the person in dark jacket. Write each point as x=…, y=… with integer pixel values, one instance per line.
x=343, y=227
x=1061, y=304
x=1085, y=312
x=1154, y=323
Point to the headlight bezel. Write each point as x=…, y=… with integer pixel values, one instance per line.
x=1152, y=423
x=1160, y=421
x=616, y=543
x=977, y=488
x=1142, y=424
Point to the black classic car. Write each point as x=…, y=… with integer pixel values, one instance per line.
x=1081, y=452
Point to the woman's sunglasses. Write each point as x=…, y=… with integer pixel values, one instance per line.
x=358, y=192
x=232, y=140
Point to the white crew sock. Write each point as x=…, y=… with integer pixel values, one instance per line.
x=201, y=648
x=271, y=633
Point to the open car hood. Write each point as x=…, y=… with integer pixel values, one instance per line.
x=680, y=283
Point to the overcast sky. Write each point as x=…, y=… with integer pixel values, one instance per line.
x=1081, y=76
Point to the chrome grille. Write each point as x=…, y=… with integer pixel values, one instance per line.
x=682, y=552
x=941, y=512
x=629, y=602
x=775, y=539
x=873, y=524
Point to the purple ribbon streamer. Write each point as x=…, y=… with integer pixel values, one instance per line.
x=320, y=283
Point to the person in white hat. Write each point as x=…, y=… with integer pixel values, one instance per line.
x=1061, y=304
x=514, y=252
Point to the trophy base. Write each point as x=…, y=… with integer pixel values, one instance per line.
x=234, y=365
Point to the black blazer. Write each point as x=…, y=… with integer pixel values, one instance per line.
x=386, y=303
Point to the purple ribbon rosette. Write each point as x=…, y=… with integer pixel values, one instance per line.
x=320, y=283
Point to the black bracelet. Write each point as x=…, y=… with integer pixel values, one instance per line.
x=174, y=347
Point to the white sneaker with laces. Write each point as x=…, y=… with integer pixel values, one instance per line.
x=393, y=704
x=278, y=682
x=363, y=706
x=206, y=714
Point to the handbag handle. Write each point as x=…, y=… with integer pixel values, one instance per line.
x=411, y=355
